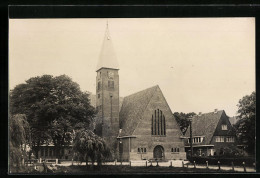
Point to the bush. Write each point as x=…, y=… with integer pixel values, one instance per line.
x=21, y=170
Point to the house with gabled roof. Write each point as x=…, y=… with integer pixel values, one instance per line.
x=212, y=133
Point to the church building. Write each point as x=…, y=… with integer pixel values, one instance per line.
x=141, y=126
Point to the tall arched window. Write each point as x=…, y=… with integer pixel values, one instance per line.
x=158, y=123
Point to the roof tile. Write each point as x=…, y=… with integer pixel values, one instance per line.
x=132, y=110
x=205, y=125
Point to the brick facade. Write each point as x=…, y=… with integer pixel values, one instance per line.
x=107, y=104
x=144, y=139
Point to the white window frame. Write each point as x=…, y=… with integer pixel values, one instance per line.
x=220, y=139
x=196, y=139
x=175, y=150
x=230, y=139
x=224, y=127
x=141, y=150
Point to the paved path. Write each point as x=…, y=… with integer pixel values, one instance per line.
x=227, y=168
x=175, y=163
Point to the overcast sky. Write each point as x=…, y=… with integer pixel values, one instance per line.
x=199, y=64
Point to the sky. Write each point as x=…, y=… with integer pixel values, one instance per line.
x=200, y=64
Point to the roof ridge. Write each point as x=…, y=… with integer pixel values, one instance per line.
x=203, y=114
x=210, y=112
x=141, y=91
x=212, y=119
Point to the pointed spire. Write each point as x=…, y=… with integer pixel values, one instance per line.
x=107, y=58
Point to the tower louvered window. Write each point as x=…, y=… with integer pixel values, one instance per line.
x=99, y=85
x=158, y=123
x=111, y=84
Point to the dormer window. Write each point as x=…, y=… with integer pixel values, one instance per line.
x=196, y=139
x=224, y=127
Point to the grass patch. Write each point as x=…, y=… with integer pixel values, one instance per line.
x=108, y=169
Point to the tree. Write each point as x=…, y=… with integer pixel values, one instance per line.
x=19, y=138
x=54, y=106
x=90, y=146
x=246, y=121
x=183, y=120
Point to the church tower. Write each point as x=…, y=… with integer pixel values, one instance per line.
x=107, y=94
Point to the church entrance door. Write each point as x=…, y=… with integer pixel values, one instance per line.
x=158, y=152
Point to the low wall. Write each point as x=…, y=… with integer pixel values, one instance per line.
x=237, y=161
x=149, y=155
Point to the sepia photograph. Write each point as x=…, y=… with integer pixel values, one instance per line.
x=132, y=95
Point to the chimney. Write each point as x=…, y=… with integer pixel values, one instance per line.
x=215, y=111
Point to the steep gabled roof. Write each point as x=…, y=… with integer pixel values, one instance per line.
x=205, y=125
x=132, y=109
x=107, y=58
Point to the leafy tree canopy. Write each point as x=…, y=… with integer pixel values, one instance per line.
x=19, y=138
x=54, y=107
x=183, y=120
x=90, y=146
x=246, y=121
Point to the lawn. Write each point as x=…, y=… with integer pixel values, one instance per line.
x=108, y=169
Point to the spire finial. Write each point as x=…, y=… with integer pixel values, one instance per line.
x=107, y=32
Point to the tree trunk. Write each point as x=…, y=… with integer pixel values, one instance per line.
x=61, y=152
x=99, y=162
x=58, y=151
x=92, y=163
x=87, y=161
x=36, y=150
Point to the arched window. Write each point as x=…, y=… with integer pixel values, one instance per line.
x=158, y=123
